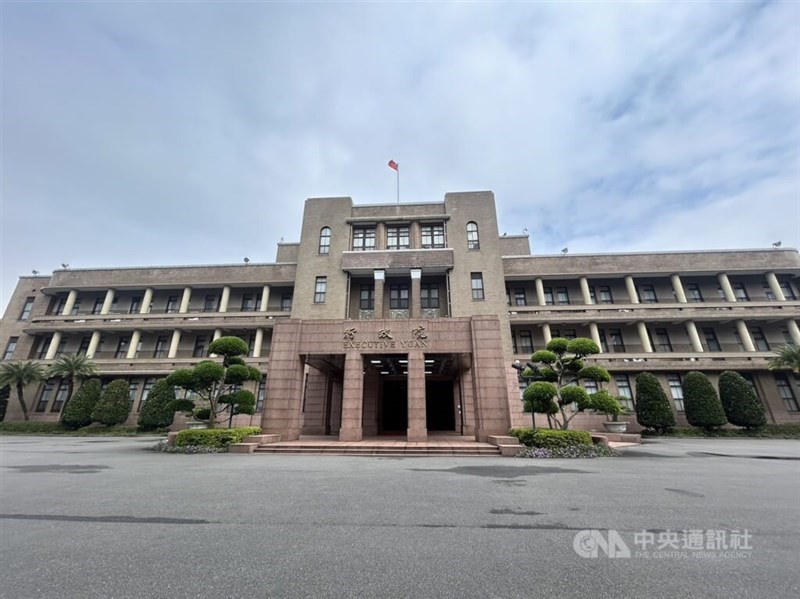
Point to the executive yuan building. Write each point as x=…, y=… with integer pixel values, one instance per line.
x=405, y=319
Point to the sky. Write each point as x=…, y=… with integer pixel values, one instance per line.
x=161, y=133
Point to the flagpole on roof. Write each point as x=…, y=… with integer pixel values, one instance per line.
x=396, y=167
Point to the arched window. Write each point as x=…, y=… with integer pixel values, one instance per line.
x=473, y=243
x=325, y=240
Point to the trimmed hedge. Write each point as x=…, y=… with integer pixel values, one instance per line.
x=653, y=410
x=114, y=405
x=78, y=412
x=55, y=428
x=739, y=401
x=790, y=430
x=550, y=438
x=155, y=412
x=701, y=402
x=31, y=427
x=214, y=437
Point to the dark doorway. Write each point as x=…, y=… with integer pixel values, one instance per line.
x=394, y=407
x=439, y=408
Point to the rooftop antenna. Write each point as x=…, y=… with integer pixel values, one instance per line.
x=776, y=245
x=35, y=272
x=564, y=251
x=64, y=266
x=525, y=231
x=246, y=260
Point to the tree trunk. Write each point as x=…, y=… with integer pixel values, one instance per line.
x=22, y=403
x=70, y=388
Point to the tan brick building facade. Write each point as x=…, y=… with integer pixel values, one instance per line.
x=404, y=319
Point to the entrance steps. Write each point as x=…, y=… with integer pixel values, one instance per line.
x=449, y=446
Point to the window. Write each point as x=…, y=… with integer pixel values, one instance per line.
x=262, y=394
x=161, y=348
x=172, y=305
x=605, y=295
x=555, y=333
x=738, y=338
x=122, y=347
x=519, y=297
x=711, y=339
x=44, y=344
x=286, y=302
x=363, y=238
x=786, y=393
x=398, y=296
x=603, y=341
x=569, y=334
x=508, y=296
x=134, y=389
x=525, y=342
x=367, y=297
x=693, y=293
x=590, y=386
x=62, y=302
x=199, y=350
x=721, y=293
x=562, y=295
x=248, y=302
x=61, y=396
x=624, y=391
x=76, y=307
x=759, y=339
x=136, y=305
x=98, y=305
x=325, y=240
x=210, y=303
x=740, y=292
x=26, y=309
x=788, y=292
x=148, y=384
x=548, y=296
x=592, y=295
x=44, y=398
x=251, y=344
x=647, y=294
x=12, y=345
x=617, y=344
x=676, y=389
x=320, y=289
x=662, y=342
x=397, y=237
x=768, y=293
x=429, y=296
x=473, y=242
x=432, y=236
x=477, y=285
x=787, y=337
x=84, y=346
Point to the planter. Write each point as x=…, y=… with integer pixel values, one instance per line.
x=194, y=424
x=615, y=427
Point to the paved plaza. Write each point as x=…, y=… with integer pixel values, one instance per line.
x=104, y=518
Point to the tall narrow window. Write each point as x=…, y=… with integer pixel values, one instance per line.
x=740, y=292
x=759, y=339
x=432, y=236
x=248, y=302
x=788, y=292
x=61, y=396
x=10, y=348
x=624, y=391
x=161, y=348
x=519, y=297
x=320, y=289
x=76, y=307
x=603, y=341
x=210, y=303
x=199, y=346
x=662, y=342
x=397, y=237
x=98, y=305
x=768, y=293
x=133, y=385
x=548, y=296
x=525, y=342
x=44, y=344
x=477, y=285
x=676, y=390
x=693, y=293
x=398, y=296
x=366, y=300
x=148, y=384
x=84, y=346
x=569, y=334
x=136, y=305
x=44, y=398
x=786, y=393
x=122, y=347
x=286, y=302
x=429, y=296
x=563, y=296
x=26, y=309
x=325, y=240
x=711, y=339
x=473, y=241
x=262, y=394
x=363, y=238
x=172, y=304
x=617, y=343
x=605, y=295
x=647, y=294
x=59, y=309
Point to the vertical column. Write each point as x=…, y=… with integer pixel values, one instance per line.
x=677, y=286
x=187, y=297
x=146, y=301
x=587, y=296
x=258, y=343
x=135, y=338
x=352, y=398
x=264, y=298
x=416, y=283
x=217, y=334
x=107, y=302
x=744, y=335
x=727, y=290
x=548, y=337
x=794, y=331
x=417, y=425
x=644, y=338
x=595, y=333
x=416, y=235
x=380, y=236
x=631, y=287
x=540, y=291
x=226, y=295
x=70, y=303
x=694, y=337
x=93, y=343
x=173, y=346
x=773, y=283
x=53, y=347
x=380, y=276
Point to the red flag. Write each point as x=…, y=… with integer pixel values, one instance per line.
x=394, y=165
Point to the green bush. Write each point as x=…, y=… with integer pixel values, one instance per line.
x=789, y=430
x=739, y=401
x=214, y=437
x=31, y=427
x=653, y=410
x=701, y=402
x=228, y=347
x=78, y=412
x=550, y=438
x=114, y=405
x=155, y=412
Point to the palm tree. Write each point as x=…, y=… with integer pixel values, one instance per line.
x=73, y=368
x=786, y=356
x=20, y=375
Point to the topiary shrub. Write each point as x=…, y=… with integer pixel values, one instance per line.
x=114, y=405
x=653, y=410
x=214, y=437
x=228, y=347
x=78, y=412
x=156, y=412
x=550, y=438
x=701, y=402
x=739, y=401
